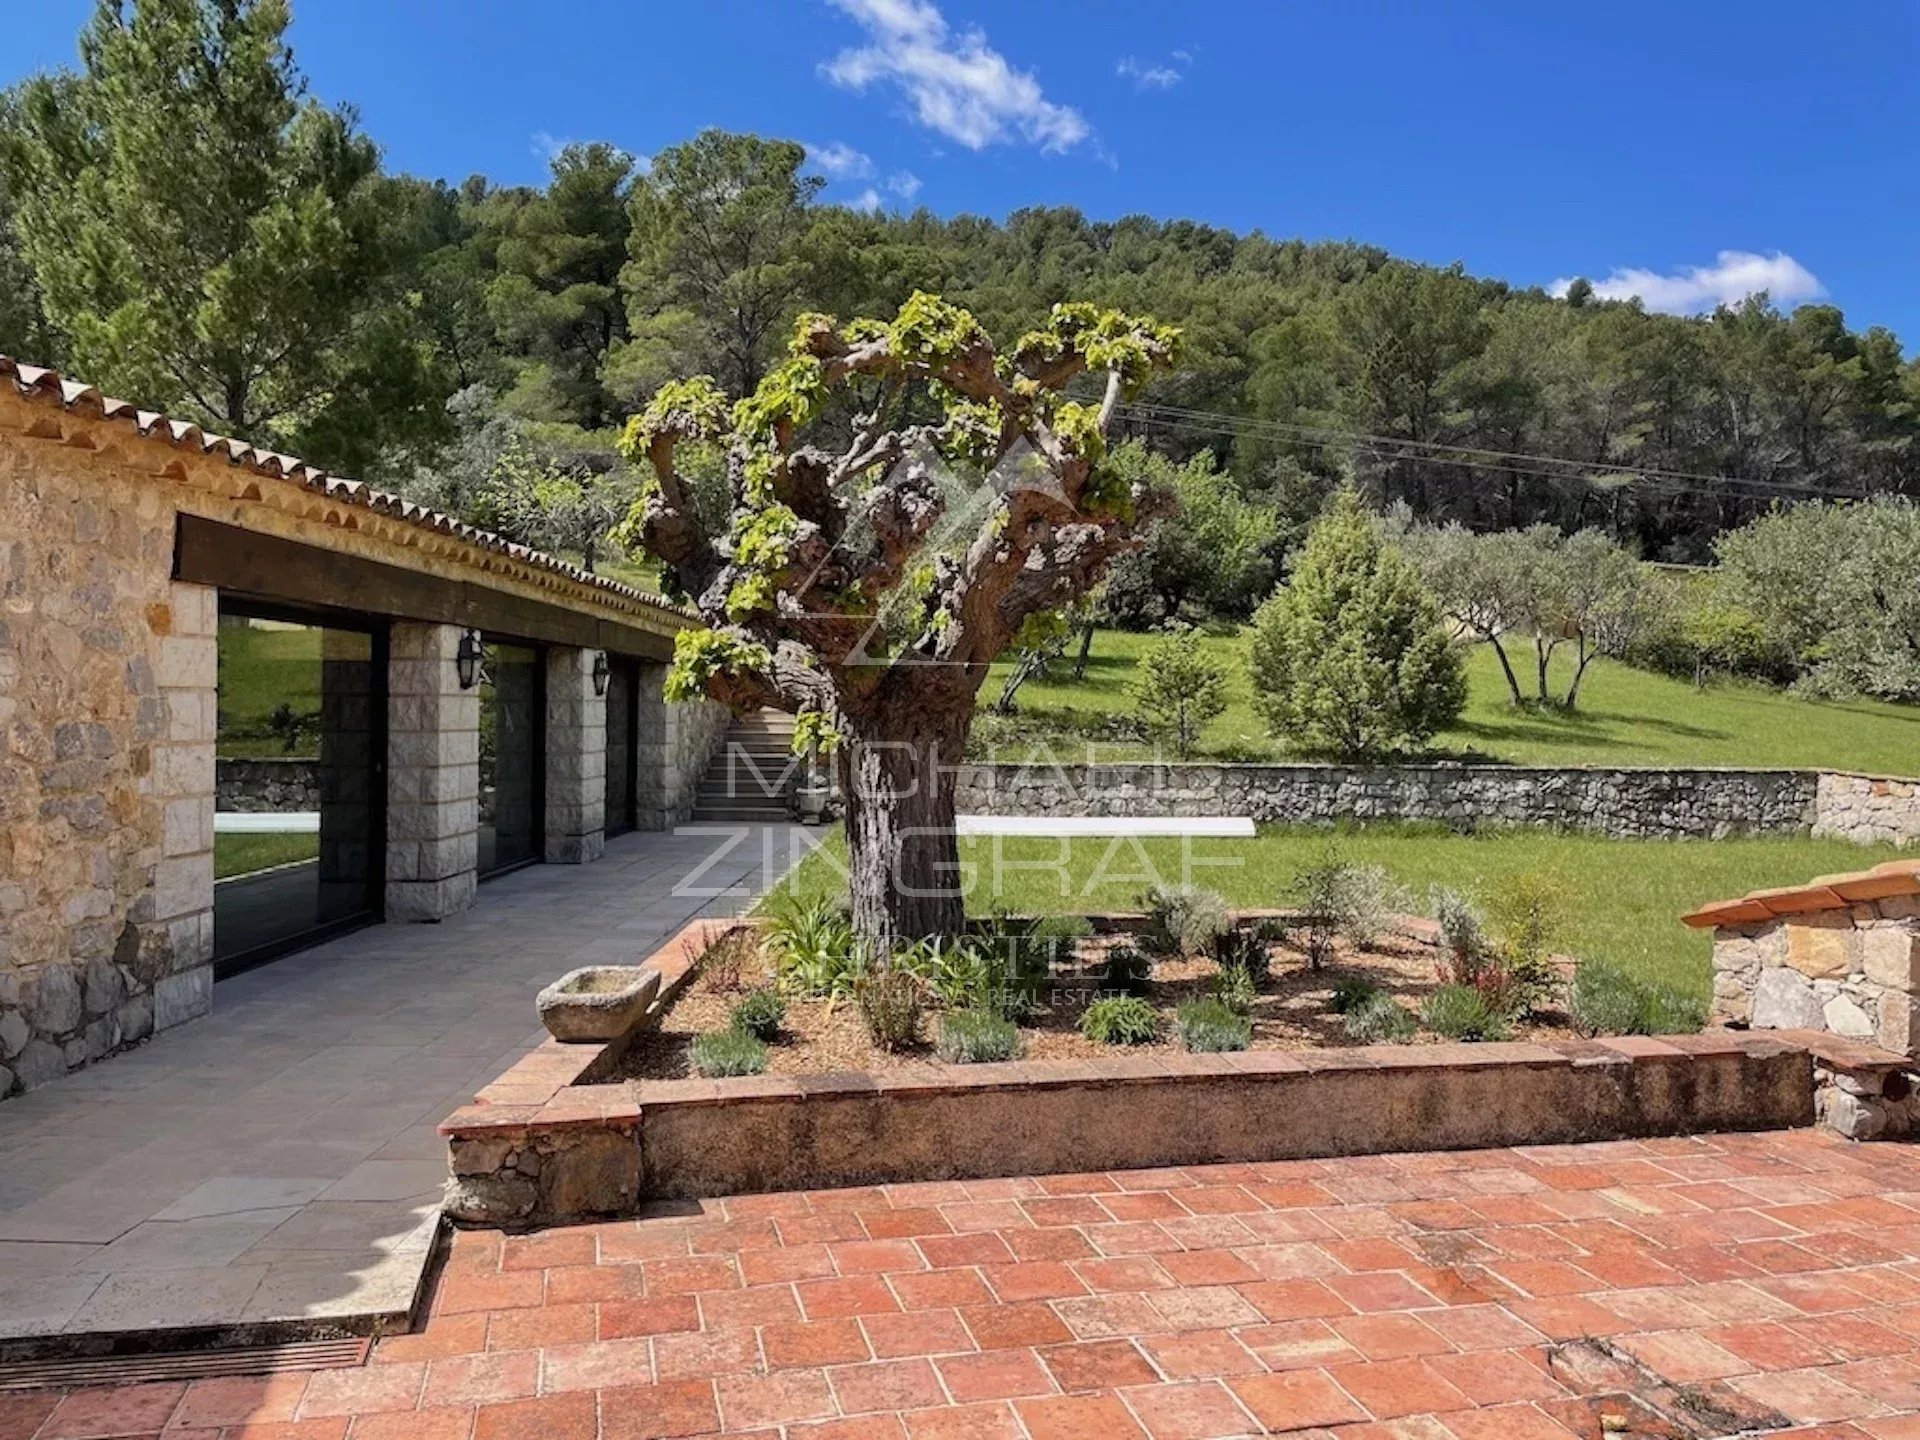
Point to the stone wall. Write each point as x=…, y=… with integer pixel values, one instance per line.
x=266, y=786
x=106, y=772
x=1621, y=802
x=1852, y=971
x=1868, y=809
x=672, y=749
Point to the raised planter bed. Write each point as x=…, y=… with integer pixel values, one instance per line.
x=560, y=1138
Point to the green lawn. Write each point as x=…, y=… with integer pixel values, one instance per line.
x=243, y=854
x=1626, y=717
x=1630, y=894
x=261, y=668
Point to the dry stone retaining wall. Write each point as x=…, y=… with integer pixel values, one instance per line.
x=266, y=785
x=1630, y=803
x=1868, y=809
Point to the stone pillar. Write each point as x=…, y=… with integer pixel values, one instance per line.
x=576, y=762
x=433, y=775
x=175, y=946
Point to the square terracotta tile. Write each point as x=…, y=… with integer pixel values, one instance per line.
x=136, y=1409
x=1392, y=1388
x=917, y=1332
x=1200, y=1354
x=807, y=1344
x=1097, y=1365
x=658, y=1412
x=1079, y=1417
x=886, y=1385
x=995, y=1421
x=573, y=1416
x=994, y=1375
x=1296, y=1400
x=750, y=1401
x=1198, y=1410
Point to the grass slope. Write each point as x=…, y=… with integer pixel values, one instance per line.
x=1630, y=894
x=1626, y=717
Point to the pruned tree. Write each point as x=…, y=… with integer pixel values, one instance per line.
x=868, y=586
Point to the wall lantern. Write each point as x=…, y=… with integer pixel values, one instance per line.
x=466, y=659
x=601, y=669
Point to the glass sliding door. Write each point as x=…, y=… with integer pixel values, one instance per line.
x=623, y=701
x=512, y=712
x=300, y=781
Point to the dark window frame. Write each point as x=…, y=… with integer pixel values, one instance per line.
x=628, y=666
x=378, y=629
x=541, y=653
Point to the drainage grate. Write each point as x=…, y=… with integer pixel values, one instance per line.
x=80, y=1370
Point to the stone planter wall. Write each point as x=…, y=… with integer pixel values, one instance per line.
x=1835, y=964
x=266, y=785
x=1619, y=802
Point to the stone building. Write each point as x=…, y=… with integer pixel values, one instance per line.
x=408, y=705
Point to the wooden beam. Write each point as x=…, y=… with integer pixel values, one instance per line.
x=249, y=564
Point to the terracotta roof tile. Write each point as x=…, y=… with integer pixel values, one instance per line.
x=36, y=382
x=1824, y=892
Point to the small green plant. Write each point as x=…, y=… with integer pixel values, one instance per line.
x=976, y=1037
x=812, y=946
x=1208, y=1025
x=1529, y=916
x=1125, y=971
x=1460, y=1012
x=1185, y=920
x=891, y=1000
x=1380, y=1019
x=1605, y=1000
x=760, y=1012
x=1250, y=948
x=1352, y=993
x=1469, y=959
x=1120, y=1020
x=1179, y=690
x=727, y=1052
x=1234, y=988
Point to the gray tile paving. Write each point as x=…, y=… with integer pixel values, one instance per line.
x=278, y=1159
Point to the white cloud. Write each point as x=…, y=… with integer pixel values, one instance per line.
x=866, y=202
x=904, y=183
x=840, y=161
x=547, y=147
x=958, y=84
x=1734, y=275
x=1149, y=76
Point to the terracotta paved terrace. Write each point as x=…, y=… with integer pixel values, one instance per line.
x=1424, y=1297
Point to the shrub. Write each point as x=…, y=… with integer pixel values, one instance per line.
x=1125, y=971
x=1605, y=1000
x=975, y=1037
x=1352, y=993
x=1178, y=690
x=1233, y=987
x=723, y=964
x=1350, y=657
x=1185, y=919
x=1530, y=915
x=812, y=945
x=1337, y=900
x=891, y=1000
x=727, y=1052
x=1379, y=1019
x=1120, y=1020
x=1249, y=949
x=1024, y=952
x=1468, y=959
x=1209, y=1025
x=760, y=1012
x=1460, y=1012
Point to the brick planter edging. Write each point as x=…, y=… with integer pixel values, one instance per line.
x=544, y=1144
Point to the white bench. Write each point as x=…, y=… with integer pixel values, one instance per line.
x=1230, y=827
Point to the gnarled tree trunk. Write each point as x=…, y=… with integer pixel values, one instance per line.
x=897, y=772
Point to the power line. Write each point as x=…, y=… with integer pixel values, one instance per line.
x=1548, y=467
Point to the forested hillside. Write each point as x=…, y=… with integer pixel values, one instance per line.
x=180, y=222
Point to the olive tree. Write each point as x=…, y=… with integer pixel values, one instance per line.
x=903, y=498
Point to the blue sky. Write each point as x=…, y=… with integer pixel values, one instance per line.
x=1658, y=143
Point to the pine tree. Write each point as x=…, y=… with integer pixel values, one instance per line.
x=1350, y=657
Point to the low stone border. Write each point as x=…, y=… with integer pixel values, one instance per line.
x=545, y=1144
